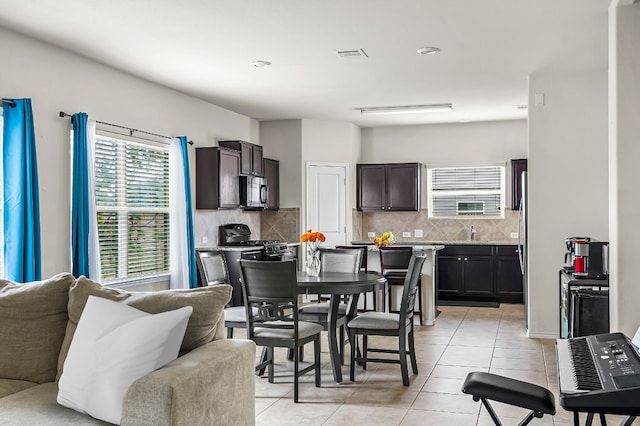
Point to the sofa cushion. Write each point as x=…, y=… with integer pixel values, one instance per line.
x=9, y=386
x=33, y=318
x=113, y=346
x=37, y=406
x=208, y=308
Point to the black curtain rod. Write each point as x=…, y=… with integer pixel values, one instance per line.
x=9, y=102
x=131, y=131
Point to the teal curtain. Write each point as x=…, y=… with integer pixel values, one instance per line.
x=80, y=198
x=22, y=251
x=191, y=248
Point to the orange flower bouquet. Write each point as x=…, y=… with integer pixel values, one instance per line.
x=313, y=241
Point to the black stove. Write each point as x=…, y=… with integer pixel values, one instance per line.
x=239, y=235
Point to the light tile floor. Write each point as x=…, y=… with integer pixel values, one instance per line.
x=464, y=339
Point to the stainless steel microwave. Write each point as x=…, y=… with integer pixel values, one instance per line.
x=253, y=193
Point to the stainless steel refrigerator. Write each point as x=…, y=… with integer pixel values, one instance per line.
x=522, y=243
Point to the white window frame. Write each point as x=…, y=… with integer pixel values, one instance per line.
x=124, y=280
x=461, y=214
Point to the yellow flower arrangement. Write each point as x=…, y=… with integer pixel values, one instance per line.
x=383, y=240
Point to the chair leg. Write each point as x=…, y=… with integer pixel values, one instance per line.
x=420, y=301
x=402, y=349
x=353, y=341
x=270, y=367
x=229, y=333
x=364, y=352
x=296, y=366
x=412, y=352
x=316, y=359
x=264, y=356
x=341, y=347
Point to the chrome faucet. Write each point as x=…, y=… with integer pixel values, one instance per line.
x=472, y=237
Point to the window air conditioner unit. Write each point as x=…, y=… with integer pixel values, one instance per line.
x=474, y=208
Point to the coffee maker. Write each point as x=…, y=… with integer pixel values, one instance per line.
x=570, y=255
x=591, y=259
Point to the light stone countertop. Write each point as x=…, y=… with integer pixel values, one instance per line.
x=438, y=243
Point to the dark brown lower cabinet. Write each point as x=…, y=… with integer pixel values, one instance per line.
x=479, y=273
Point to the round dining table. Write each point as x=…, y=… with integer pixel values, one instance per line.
x=338, y=284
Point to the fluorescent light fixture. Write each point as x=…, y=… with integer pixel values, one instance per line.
x=407, y=109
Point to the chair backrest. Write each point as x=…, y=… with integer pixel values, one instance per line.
x=395, y=257
x=340, y=260
x=212, y=267
x=270, y=293
x=410, y=290
x=363, y=258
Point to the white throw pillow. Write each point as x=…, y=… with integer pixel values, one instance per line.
x=113, y=346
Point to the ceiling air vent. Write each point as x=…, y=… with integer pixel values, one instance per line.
x=352, y=53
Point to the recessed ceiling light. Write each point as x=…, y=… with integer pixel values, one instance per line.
x=260, y=64
x=407, y=109
x=430, y=50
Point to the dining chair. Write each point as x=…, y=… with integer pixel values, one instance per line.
x=271, y=305
x=389, y=324
x=212, y=268
x=394, y=262
x=334, y=260
x=363, y=268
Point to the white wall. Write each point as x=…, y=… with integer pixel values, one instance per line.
x=56, y=81
x=282, y=140
x=452, y=144
x=568, y=185
x=624, y=158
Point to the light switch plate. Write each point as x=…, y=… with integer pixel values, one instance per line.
x=514, y=235
x=406, y=234
x=417, y=233
x=205, y=240
x=371, y=234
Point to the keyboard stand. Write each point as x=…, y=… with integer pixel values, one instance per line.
x=627, y=421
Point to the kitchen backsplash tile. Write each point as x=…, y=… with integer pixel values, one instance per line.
x=490, y=230
x=207, y=223
x=283, y=225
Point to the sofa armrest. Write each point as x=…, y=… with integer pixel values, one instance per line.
x=213, y=384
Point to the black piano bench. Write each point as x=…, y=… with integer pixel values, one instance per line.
x=486, y=386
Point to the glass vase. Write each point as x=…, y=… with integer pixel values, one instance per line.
x=313, y=263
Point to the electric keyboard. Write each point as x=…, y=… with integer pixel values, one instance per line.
x=599, y=374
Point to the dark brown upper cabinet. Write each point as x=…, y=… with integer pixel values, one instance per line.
x=217, y=183
x=251, y=161
x=272, y=174
x=388, y=187
x=517, y=167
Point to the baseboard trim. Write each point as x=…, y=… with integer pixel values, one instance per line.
x=478, y=304
x=540, y=335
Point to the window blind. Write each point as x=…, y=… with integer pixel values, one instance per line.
x=132, y=200
x=466, y=191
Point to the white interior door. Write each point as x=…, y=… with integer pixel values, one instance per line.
x=327, y=201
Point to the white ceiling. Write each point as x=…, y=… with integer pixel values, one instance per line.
x=205, y=48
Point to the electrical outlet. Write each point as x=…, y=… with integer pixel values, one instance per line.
x=371, y=234
x=514, y=235
x=417, y=233
x=406, y=234
x=205, y=240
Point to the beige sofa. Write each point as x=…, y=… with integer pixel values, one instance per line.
x=211, y=383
